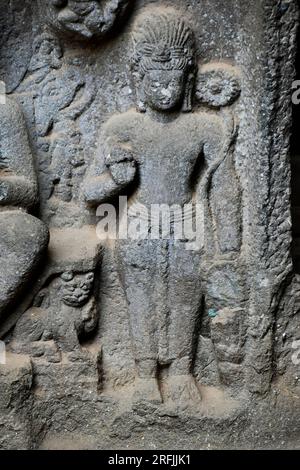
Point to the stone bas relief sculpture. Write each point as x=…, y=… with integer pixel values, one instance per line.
x=24, y=238
x=84, y=18
x=147, y=340
x=161, y=145
x=61, y=316
x=66, y=93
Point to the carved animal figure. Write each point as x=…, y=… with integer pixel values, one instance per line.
x=62, y=316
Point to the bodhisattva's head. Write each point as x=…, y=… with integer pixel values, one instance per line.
x=164, y=61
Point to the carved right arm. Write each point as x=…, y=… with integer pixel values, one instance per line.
x=121, y=171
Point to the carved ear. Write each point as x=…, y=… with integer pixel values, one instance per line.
x=140, y=97
x=188, y=96
x=218, y=85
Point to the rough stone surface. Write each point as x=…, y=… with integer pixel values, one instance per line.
x=147, y=341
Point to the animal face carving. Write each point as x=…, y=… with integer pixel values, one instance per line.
x=75, y=289
x=164, y=89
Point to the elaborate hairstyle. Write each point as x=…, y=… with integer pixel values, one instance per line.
x=163, y=41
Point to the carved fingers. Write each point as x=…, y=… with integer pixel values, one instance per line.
x=123, y=173
x=122, y=165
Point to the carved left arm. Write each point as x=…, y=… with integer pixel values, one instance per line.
x=222, y=187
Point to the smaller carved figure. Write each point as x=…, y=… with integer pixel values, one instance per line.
x=63, y=315
x=67, y=163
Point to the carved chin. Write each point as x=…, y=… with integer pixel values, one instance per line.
x=165, y=106
x=75, y=301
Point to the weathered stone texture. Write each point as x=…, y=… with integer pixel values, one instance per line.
x=145, y=341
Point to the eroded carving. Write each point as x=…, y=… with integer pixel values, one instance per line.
x=24, y=238
x=83, y=18
x=62, y=316
x=61, y=94
x=229, y=331
x=206, y=339
x=218, y=85
x=158, y=149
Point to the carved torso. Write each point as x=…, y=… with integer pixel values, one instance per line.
x=167, y=154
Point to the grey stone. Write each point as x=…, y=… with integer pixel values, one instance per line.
x=85, y=18
x=147, y=341
x=24, y=238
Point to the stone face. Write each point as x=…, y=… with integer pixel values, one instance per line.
x=151, y=141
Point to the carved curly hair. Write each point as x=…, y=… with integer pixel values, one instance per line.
x=163, y=41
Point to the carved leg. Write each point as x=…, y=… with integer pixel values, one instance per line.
x=184, y=295
x=73, y=22
x=137, y=267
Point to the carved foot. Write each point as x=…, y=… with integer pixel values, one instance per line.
x=146, y=389
x=183, y=392
x=78, y=355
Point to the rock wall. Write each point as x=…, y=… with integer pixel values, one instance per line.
x=147, y=291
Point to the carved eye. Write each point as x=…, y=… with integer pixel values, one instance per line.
x=53, y=92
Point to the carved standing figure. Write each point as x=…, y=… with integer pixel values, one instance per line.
x=159, y=151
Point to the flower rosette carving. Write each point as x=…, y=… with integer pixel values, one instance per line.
x=218, y=87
